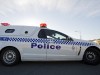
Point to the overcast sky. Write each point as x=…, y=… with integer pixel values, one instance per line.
x=66, y=16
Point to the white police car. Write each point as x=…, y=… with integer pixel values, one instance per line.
x=29, y=43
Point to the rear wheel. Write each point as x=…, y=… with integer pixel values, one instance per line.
x=10, y=56
x=92, y=57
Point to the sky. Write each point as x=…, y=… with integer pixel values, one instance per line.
x=72, y=17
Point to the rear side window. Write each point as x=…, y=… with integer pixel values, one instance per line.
x=9, y=30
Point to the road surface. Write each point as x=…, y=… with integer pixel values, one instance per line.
x=50, y=68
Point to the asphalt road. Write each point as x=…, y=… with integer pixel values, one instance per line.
x=50, y=68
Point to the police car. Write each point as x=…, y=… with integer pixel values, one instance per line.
x=30, y=43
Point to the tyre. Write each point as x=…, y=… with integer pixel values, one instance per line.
x=10, y=56
x=92, y=57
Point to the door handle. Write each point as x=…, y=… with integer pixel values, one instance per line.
x=51, y=42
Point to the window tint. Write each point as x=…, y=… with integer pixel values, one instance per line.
x=42, y=34
x=9, y=30
x=51, y=34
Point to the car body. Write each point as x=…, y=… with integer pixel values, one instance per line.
x=30, y=43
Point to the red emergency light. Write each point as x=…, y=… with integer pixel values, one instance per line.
x=43, y=25
x=5, y=24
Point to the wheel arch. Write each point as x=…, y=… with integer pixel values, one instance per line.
x=92, y=47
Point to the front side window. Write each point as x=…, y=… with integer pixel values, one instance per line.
x=51, y=34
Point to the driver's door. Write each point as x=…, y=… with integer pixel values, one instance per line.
x=60, y=46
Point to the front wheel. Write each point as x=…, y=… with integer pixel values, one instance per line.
x=10, y=56
x=92, y=57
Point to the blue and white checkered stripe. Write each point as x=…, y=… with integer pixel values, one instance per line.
x=12, y=39
x=72, y=43
x=24, y=40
